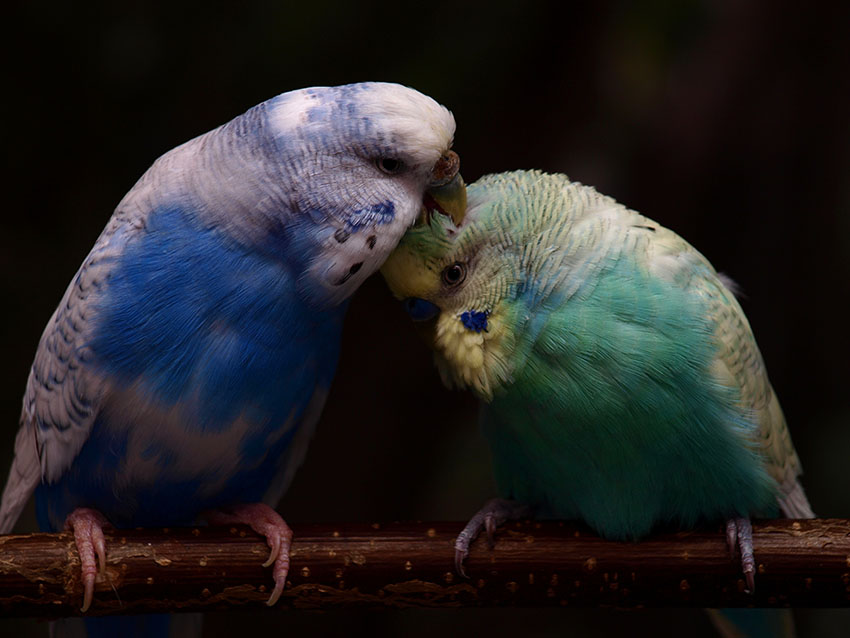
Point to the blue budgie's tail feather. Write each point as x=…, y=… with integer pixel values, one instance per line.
x=753, y=623
x=23, y=479
x=160, y=625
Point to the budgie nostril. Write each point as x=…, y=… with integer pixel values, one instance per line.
x=420, y=309
x=445, y=169
x=446, y=192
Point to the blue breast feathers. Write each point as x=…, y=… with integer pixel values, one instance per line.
x=191, y=312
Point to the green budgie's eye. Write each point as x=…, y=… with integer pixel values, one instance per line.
x=454, y=274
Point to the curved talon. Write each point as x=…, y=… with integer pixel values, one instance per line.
x=268, y=523
x=88, y=594
x=739, y=537
x=749, y=575
x=100, y=549
x=459, y=558
x=731, y=536
x=281, y=569
x=274, y=543
x=495, y=512
x=276, y=592
x=490, y=527
x=87, y=525
x=464, y=540
x=461, y=552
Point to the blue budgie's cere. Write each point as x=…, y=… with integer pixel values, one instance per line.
x=620, y=378
x=186, y=366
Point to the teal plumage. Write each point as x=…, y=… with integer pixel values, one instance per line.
x=621, y=381
x=598, y=382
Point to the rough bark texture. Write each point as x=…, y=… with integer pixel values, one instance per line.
x=799, y=563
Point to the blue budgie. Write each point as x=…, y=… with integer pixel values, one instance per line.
x=186, y=366
x=621, y=381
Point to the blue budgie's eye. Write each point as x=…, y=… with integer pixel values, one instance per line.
x=419, y=309
x=390, y=165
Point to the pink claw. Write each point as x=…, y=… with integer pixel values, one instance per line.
x=88, y=525
x=266, y=522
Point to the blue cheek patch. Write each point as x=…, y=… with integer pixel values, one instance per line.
x=419, y=309
x=475, y=320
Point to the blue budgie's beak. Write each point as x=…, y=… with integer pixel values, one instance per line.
x=446, y=192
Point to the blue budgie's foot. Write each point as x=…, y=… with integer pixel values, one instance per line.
x=266, y=522
x=87, y=525
x=739, y=535
x=494, y=513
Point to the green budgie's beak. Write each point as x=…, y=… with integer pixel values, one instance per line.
x=446, y=193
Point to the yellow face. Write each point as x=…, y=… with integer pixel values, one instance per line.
x=409, y=275
x=479, y=284
x=452, y=280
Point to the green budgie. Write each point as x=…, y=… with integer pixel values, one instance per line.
x=621, y=380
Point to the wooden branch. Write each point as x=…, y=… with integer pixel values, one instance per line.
x=800, y=563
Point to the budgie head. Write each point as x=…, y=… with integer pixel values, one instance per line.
x=467, y=284
x=325, y=179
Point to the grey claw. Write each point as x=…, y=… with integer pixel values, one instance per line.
x=494, y=513
x=739, y=537
x=732, y=536
x=462, y=545
x=460, y=556
x=490, y=527
x=751, y=581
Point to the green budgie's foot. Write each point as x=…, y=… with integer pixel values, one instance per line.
x=495, y=512
x=739, y=535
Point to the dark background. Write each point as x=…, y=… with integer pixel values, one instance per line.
x=724, y=120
